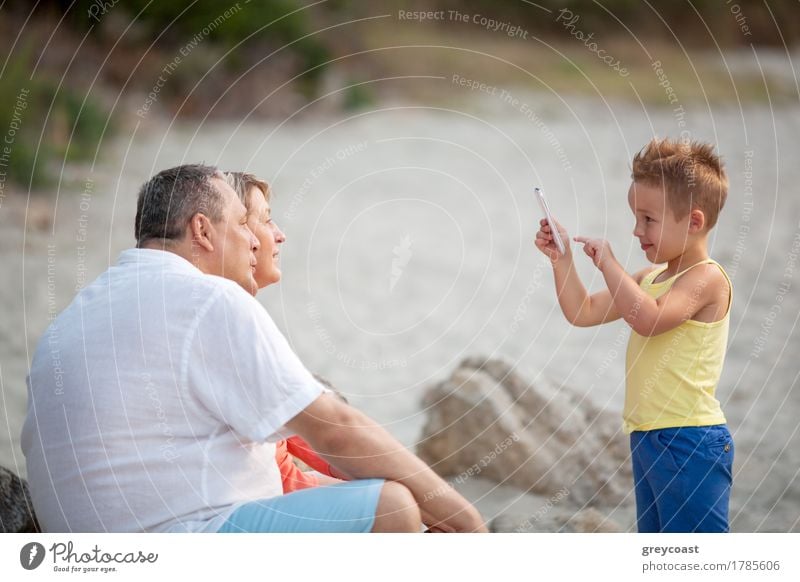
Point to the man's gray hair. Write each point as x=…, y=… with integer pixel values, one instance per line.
x=168, y=200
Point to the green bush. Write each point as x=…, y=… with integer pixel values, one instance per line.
x=357, y=97
x=180, y=25
x=52, y=125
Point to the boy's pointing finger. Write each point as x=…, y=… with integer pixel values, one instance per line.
x=580, y=239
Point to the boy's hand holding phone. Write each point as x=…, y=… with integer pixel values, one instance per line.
x=551, y=239
x=546, y=243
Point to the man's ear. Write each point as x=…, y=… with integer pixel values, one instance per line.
x=697, y=221
x=202, y=231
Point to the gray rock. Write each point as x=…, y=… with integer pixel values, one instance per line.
x=588, y=520
x=16, y=508
x=487, y=420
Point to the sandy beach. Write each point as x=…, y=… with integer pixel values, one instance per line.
x=409, y=247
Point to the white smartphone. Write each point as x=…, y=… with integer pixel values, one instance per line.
x=549, y=217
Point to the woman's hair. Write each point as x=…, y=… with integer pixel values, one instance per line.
x=243, y=182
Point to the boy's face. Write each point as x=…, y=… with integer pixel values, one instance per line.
x=662, y=237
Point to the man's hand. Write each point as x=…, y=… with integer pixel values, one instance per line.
x=598, y=249
x=358, y=446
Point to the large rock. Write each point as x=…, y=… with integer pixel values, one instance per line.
x=487, y=420
x=16, y=508
x=588, y=520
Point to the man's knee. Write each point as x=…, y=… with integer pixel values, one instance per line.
x=397, y=510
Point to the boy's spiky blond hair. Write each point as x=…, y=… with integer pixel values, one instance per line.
x=690, y=172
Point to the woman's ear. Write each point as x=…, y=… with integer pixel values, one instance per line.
x=202, y=231
x=697, y=221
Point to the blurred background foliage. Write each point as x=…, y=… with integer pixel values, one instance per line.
x=91, y=65
x=53, y=123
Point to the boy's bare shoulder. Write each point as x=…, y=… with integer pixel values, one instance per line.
x=638, y=276
x=710, y=287
x=707, y=277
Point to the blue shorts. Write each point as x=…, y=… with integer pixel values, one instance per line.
x=682, y=477
x=344, y=507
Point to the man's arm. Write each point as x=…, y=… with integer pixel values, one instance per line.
x=358, y=446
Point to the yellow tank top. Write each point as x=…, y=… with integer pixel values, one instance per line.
x=671, y=378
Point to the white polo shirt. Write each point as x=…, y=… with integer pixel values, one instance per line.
x=154, y=400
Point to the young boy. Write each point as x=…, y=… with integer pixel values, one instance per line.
x=681, y=449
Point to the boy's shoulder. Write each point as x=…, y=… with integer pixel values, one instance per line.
x=639, y=276
x=709, y=276
x=710, y=287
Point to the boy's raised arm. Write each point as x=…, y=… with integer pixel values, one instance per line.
x=580, y=308
x=648, y=316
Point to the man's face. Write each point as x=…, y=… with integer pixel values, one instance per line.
x=234, y=245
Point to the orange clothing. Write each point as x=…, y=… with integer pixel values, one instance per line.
x=292, y=477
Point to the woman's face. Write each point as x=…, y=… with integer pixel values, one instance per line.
x=269, y=236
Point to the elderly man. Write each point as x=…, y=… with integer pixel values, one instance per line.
x=173, y=382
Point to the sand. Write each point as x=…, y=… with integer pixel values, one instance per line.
x=410, y=247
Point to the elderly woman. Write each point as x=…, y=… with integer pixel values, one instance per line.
x=255, y=195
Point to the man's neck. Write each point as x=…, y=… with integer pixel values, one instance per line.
x=175, y=247
x=156, y=244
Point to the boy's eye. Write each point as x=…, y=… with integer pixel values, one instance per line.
x=648, y=219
